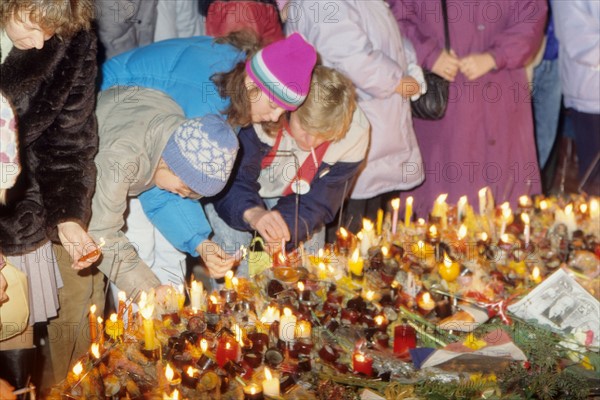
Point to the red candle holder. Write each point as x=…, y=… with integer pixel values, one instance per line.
x=362, y=364
x=227, y=350
x=405, y=338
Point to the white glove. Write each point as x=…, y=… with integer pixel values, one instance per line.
x=416, y=72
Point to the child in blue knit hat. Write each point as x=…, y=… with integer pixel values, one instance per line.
x=145, y=144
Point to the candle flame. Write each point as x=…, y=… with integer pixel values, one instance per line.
x=384, y=251
x=321, y=253
x=235, y=281
x=196, y=286
x=409, y=201
x=525, y=218
x=569, y=209
x=213, y=299
x=441, y=198
x=95, y=350
x=122, y=296
x=270, y=315
x=287, y=312
x=524, y=201
x=355, y=256
x=113, y=317
x=447, y=261
x=100, y=320
x=379, y=319
x=543, y=205
x=268, y=375
x=180, y=288
x=78, y=369
x=535, y=274
x=322, y=266
x=301, y=286
x=594, y=206
x=367, y=225
x=190, y=371
x=370, y=295
x=583, y=208
x=227, y=345
x=462, y=232
x=146, y=306
x=505, y=238
x=462, y=201
x=203, y=345
x=359, y=357
x=169, y=373
x=343, y=233
x=93, y=309
x=396, y=203
x=482, y=191
x=433, y=230
x=426, y=297
x=229, y=274
x=253, y=389
x=421, y=221
x=484, y=236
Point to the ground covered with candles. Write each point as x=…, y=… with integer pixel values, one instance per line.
x=494, y=303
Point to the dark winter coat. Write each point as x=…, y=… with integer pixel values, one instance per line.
x=53, y=91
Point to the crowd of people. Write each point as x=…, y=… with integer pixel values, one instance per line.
x=137, y=133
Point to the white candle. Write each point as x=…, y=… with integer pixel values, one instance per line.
x=482, y=201
x=594, y=209
x=287, y=325
x=196, y=295
x=395, y=207
x=566, y=217
x=270, y=384
x=440, y=209
x=506, y=213
x=271, y=315
x=527, y=229
x=367, y=238
x=461, y=206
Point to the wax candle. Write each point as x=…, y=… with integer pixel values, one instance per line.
x=114, y=327
x=95, y=350
x=408, y=211
x=147, y=309
x=461, y=208
x=227, y=350
x=362, y=364
x=270, y=315
x=395, y=208
x=121, y=310
x=75, y=374
x=100, y=330
x=253, y=392
x=367, y=237
x=343, y=240
x=405, y=337
x=594, y=209
x=526, y=229
x=525, y=202
x=356, y=264
x=228, y=277
x=287, y=325
x=196, y=295
x=172, y=377
x=440, y=209
x=173, y=396
x=536, y=276
x=425, y=303
x=482, y=201
x=303, y=330
x=379, y=221
x=213, y=304
x=92, y=321
x=190, y=377
x=566, y=217
x=270, y=384
x=506, y=216
x=449, y=269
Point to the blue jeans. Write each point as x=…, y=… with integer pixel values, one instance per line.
x=546, y=107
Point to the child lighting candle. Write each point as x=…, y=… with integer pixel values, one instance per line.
x=395, y=208
x=408, y=211
x=114, y=327
x=356, y=264
x=270, y=384
x=287, y=325
x=92, y=321
x=196, y=295
x=527, y=228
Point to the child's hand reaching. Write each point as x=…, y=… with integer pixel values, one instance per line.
x=217, y=261
x=78, y=244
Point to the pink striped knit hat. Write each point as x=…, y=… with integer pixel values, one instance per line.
x=283, y=70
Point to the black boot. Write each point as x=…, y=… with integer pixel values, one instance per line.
x=16, y=366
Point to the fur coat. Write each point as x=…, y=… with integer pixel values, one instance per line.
x=53, y=92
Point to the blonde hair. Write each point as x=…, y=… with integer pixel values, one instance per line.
x=328, y=109
x=63, y=18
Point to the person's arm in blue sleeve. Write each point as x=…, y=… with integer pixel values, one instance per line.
x=242, y=193
x=321, y=203
x=181, y=221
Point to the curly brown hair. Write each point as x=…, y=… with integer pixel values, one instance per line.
x=63, y=18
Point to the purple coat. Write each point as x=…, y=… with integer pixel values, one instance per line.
x=486, y=137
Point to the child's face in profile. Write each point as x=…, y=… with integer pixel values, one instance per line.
x=166, y=179
x=26, y=34
x=304, y=139
x=262, y=109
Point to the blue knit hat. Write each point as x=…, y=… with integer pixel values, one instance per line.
x=201, y=152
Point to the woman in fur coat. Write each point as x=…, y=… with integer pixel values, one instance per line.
x=48, y=70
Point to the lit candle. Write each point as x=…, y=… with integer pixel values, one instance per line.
x=395, y=208
x=121, y=310
x=408, y=211
x=146, y=309
x=379, y=221
x=356, y=264
x=461, y=208
x=368, y=237
x=114, y=327
x=506, y=214
x=227, y=350
x=287, y=325
x=271, y=315
x=92, y=320
x=253, y=392
x=536, y=275
x=228, y=277
x=270, y=384
x=405, y=337
x=566, y=217
x=343, y=240
x=440, y=209
x=362, y=364
x=594, y=209
x=196, y=295
x=100, y=329
x=172, y=378
x=304, y=295
x=527, y=228
x=213, y=304
x=189, y=378
x=543, y=205
x=180, y=296
x=95, y=350
x=525, y=202
x=303, y=330
x=75, y=374
x=425, y=303
x=482, y=201
x=449, y=269
x=172, y=396
x=381, y=322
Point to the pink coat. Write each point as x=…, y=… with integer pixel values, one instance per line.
x=486, y=137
